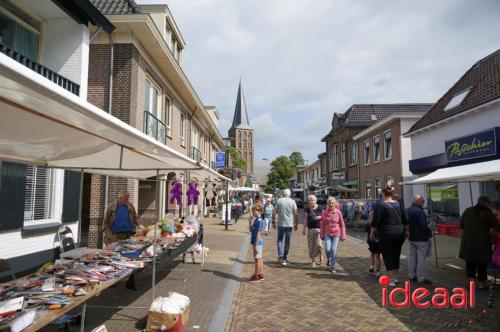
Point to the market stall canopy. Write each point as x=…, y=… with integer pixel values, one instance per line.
x=343, y=189
x=478, y=172
x=241, y=189
x=44, y=124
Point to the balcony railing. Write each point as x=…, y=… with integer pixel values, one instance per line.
x=195, y=154
x=42, y=70
x=155, y=128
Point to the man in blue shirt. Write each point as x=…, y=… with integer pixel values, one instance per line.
x=120, y=219
x=419, y=243
x=257, y=242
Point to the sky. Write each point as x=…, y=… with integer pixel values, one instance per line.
x=302, y=60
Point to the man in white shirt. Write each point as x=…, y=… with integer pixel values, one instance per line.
x=286, y=210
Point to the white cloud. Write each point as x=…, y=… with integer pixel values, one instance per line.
x=303, y=60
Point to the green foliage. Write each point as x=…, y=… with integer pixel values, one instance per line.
x=237, y=161
x=281, y=171
x=297, y=159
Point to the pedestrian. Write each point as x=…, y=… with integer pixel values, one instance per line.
x=391, y=225
x=286, y=212
x=419, y=244
x=257, y=242
x=332, y=230
x=312, y=221
x=373, y=245
x=268, y=216
x=475, y=247
x=120, y=219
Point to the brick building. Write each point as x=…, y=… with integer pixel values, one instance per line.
x=384, y=154
x=135, y=73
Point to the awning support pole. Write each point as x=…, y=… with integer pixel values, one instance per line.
x=80, y=208
x=435, y=224
x=226, y=220
x=154, y=233
x=121, y=157
x=470, y=192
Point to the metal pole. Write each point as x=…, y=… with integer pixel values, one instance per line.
x=154, y=233
x=80, y=207
x=435, y=225
x=227, y=206
x=470, y=191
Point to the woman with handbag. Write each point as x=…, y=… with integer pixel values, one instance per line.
x=391, y=225
x=312, y=222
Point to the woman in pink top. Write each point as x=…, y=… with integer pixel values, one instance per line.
x=332, y=230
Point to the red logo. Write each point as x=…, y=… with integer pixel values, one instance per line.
x=423, y=298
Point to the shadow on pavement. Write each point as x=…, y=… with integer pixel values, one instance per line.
x=223, y=274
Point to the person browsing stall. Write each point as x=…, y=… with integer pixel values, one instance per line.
x=120, y=219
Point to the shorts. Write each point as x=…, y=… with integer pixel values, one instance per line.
x=259, y=252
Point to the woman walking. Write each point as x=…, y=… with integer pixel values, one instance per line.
x=391, y=225
x=312, y=221
x=475, y=247
x=332, y=230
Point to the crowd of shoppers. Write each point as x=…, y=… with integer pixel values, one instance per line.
x=389, y=226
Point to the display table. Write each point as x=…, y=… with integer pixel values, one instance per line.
x=165, y=257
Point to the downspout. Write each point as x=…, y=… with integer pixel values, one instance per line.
x=187, y=173
x=110, y=106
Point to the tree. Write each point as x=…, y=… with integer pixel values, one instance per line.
x=281, y=172
x=236, y=159
x=297, y=159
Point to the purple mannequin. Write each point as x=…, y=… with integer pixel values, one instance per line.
x=192, y=194
x=176, y=193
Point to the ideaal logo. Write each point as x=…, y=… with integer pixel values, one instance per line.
x=424, y=298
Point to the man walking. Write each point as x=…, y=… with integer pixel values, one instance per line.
x=418, y=240
x=286, y=210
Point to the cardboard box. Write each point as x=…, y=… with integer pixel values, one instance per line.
x=167, y=322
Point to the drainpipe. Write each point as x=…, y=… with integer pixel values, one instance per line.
x=110, y=106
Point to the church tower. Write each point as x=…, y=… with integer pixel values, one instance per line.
x=241, y=132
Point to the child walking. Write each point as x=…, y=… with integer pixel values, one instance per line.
x=257, y=242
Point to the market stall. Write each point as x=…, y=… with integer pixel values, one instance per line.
x=60, y=130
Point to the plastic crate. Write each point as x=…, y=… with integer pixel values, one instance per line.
x=441, y=229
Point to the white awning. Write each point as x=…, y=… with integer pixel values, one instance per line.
x=478, y=172
x=241, y=189
x=43, y=124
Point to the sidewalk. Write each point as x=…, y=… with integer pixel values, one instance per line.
x=300, y=298
x=207, y=285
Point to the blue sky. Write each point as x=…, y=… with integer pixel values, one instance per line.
x=300, y=61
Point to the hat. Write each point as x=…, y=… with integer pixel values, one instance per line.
x=496, y=204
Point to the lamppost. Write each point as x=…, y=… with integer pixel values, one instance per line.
x=227, y=140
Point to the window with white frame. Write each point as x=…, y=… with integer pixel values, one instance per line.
x=168, y=115
x=182, y=129
x=354, y=153
x=342, y=155
x=19, y=31
x=388, y=144
x=378, y=188
x=376, y=149
x=195, y=137
x=335, y=156
x=368, y=189
x=43, y=199
x=152, y=99
x=367, y=152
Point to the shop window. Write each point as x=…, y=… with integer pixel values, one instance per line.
x=445, y=200
x=19, y=31
x=43, y=198
x=376, y=149
x=368, y=189
x=388, y=144
x=367, y=152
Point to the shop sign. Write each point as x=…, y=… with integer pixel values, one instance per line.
x=220, y=159
x=338, y=176
x=472, y=146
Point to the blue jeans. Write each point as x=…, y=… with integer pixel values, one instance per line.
x=331, y=243
x=287, y=233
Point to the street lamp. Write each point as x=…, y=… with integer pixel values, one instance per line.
x=227, y=140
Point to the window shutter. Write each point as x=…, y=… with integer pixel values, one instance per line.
x=12, y=188
x=71, y=200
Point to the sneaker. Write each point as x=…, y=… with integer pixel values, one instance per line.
x=333, y=271
x=254, y=279
x=425, y=281
x=392, y=284
x=372, y=271
x=284, y=263
x=261, y=276
x=377, y=274
x=313, y=265
x=280, y=259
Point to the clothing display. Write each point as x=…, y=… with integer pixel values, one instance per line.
x=210, y=194
x=176, y=193
x=192, y=194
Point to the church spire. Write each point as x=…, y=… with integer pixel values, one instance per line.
x=240, y=119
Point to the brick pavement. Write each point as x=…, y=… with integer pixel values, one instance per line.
x=299, y=298
x=203, y=284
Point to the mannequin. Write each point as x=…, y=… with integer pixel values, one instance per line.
x=192, y=198
x=176, y=195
